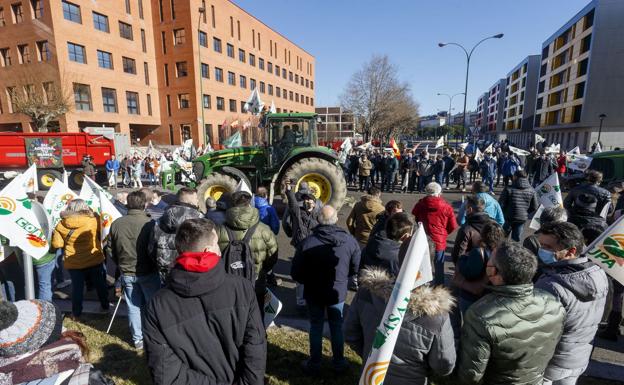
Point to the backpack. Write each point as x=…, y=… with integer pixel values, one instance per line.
x=237, y=256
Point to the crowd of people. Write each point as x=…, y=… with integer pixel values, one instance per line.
x=514, y=311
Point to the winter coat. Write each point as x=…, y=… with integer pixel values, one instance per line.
x=205, y=328
x=518, y=201
x=561, y=164
x=509, y=335
x=425, y=167
x=263, y=242
x=437, y=217
x=363, y=216
x=156, y=211
x=390, y=165
x=500, y=162
x=581, y=287
x=425, y=344
x=127, y=243
x=88, y=167
x=543, y=169
x=217, y=216
x=492, y=209
x=488, y=167
x=510, y=166
x=380, y=225
x=438, y=168
x=301, y=221
x=382, y=252
x=449, y=163
x=162, y=241
x=268, y=215
x=365, y=168
x=112, y=165
x=603, y=196
x=82, y=248
x=469, y=234
x=354, y=162
x=587, y=219
x=323, y=263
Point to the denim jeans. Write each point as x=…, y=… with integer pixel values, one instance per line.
x=489, y=181
x=317, y=321
x=58, y=271
x=516, y=229
x=438, y=278
x=439, y=178
x=44, y=280
x=138, y=291
x=364, y=183
x=388, y=182
x=97, y=276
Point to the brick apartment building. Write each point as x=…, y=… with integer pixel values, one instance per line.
x=160, y=70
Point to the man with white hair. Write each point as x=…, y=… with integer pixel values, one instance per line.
x=438, y=219
x=323, y=263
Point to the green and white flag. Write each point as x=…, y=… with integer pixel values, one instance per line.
x=233, y=141
x=108, y=214
x=88, y=193
x=607, y=251
x=272, y=307
x=56, y=200
x=549, y=195
x=415, y=271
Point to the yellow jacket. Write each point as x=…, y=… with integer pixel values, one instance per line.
x=83, y=247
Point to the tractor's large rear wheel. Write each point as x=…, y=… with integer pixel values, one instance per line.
x=325, y=179
x=214, y=186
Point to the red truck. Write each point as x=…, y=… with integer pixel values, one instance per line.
x=55, y=152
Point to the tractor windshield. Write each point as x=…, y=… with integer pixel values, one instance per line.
x=286, y=134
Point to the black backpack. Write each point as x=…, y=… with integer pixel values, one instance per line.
x=237, y=256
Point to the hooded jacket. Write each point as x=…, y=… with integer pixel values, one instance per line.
x=518, y=201
x=363, y=217
x=381, y=252
x=585, y=218
x=323, y=262
x=204, y=327
x=469, y=234
x=425, y=344
x=438, y=218
x=492, y=208
x=603, y=196
x=509, y=335
x=268, y=215
x=581, y=287
x=79, y=237
x=162, y=241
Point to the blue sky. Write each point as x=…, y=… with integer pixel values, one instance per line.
x=342, y=34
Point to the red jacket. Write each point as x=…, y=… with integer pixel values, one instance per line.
x=561, y=164
x=438, y=218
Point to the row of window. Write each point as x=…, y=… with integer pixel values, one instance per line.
x=83, y=100
x=24, y=54
x=184, y=103
x=17, y=12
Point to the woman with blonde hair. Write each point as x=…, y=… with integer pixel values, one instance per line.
x=78, y=234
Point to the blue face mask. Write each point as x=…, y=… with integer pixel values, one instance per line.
x=546, y=256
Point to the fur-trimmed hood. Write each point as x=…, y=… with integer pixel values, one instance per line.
x=425, y=300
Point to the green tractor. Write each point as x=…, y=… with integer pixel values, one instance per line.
x=290, y=152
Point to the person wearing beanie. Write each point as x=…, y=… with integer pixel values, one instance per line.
x=26, y=326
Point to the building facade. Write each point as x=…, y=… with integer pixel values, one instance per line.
x=495, y=110
x=482, y=110
x=157, y=70
x=337, y=124
x=520, y=98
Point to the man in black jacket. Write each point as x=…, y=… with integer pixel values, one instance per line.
x=205, y=326
x=382, y=249
x=517, y=202
x=323, y=263
x=592, y=187
x=542, y=168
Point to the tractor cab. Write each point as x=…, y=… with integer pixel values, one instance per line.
x=287, y=131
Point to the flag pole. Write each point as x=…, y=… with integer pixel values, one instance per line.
x=29, y=279
x=114, y=314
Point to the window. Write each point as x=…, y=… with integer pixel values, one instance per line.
x=278, y=92
x=540, y=102
x=149, y=104
x=132, y=103
x=2, y=20
x=243, y=81
x=129, y=65
x=284, y=73
x=311, y=85
x=230, y=50
x=205, y=71
x=252, y=84
x=232, y=105
x=241, y=55
x=166, y=74
x=160, y=10
x=296, y=78
x=218, y=74
x=163, y=40
x=76, y=53
x=290, y=76
x=105, y=59
x=307, y=83
x=579, y=90
x=203, y=39
x=586, y=43
x=588, y=20
x=128, y=6
x=100, y=22
x=140, y=2
x=109, y=99
x=125, y=30
x=270, y=67
x=290, y=95
x=260, y=63
x=270, y=89
x=242, y=106
x=576, y=113
x=168, y=101
x=24, y=53
x=296, y=97
x=18, y=13
x=43, y=49
x=540, y=87
x=82, y=97
x=146, y=73
x=582, y=67
x=231, y=78
x=206, y=101
x=181, y=69
x=262, y=87
x=216, y=44
x=37, y=8
x=71, y=12
x=220, y=104
x=183, y=101
x=277, y=70
x=212, y=14
x=5, y=53
x=179, y=36
x=173, y=15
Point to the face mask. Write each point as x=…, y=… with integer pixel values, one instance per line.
x=546, y=256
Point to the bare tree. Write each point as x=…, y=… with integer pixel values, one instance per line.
x=40, y=97
x=381, y=101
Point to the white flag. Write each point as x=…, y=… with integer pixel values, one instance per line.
x=578, y=162
x=29, y=179
x=272, y=109
x=539, y=139
x=254, y=104
x=598, y=148
x=108, y=214
x=415, y=271
x=478, y=155
x=518, y=151
x=607, y=251
x=576, y=151
x=272, y=307
x=463, y=145
x=56, y=200
x=553, y=149
x=549, y=191
x=427, y=148
x=536, y=223
x=65, y=177
x=89, y=192
x=489, y=149
x=440, y=142
x=19, y=223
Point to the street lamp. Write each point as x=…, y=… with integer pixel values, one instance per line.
x=602, y=117
x=451, y=104
x=202, y=11
x=468, y=56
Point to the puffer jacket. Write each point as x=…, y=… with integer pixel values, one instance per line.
x=437, y=217
x=492, y=209
x=509, y=335
x=518, y=201
x=469, y=234
x=161, y=247
x=263, y=243
x=603, y=196
x=587, y=219
x=82, y=248
x=425, y=344
x=268, y=215
x=581, y=287
x=363, y=217
x=382, y=252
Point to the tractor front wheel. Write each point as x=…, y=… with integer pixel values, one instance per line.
x=214, y=186
x=325, y=179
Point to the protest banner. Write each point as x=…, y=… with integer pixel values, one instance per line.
x=415, y=271
x=272, y=307
x=549, y=195
x=607, y=251
x=56, y=200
